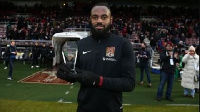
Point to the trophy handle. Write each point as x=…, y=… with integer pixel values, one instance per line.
x=70, y=50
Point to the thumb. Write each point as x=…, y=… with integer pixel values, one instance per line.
x=78, y=70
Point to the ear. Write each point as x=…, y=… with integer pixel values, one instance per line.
x=111, y=19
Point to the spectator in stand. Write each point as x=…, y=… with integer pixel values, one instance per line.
x=196, y=29
x=177, y=48
x=168, y=65
x=142, y=37
x=58, y=29
x=167, y=38
x=156, y=35
x=144, y=56
x=34, y=34
x=41, y=35
x=190, y=31
x=129, y=30
x=35, y=54
x=182, y=37
x=175, y=24
x=153, y=43
x=176, y=40
x=8, y=34
x=15, y=34
x=159, y=43
x=124, y=32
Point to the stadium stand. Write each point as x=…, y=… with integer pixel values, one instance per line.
x=27, y=24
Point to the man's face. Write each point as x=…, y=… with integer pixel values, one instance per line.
x=12, y=43
x=142, y=45
x=169, y=47
x=100, y=20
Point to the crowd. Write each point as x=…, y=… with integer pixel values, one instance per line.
x=174, y=28
x=174, y=24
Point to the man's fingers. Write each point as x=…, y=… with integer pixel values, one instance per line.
x=60, y=74
x=64, y=67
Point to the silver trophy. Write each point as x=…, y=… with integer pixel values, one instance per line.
x=69, y=53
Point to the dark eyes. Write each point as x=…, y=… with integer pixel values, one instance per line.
x=104, y=17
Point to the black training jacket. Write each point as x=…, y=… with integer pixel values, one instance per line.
x=36, y=51
x=165, y=63
x=113, y=58
x=144, y=61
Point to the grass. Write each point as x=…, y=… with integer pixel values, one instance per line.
x=33, y=106
x=23, y=97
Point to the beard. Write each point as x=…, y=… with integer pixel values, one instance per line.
x=97, y=33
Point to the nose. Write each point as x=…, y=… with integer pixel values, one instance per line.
x=99, y=20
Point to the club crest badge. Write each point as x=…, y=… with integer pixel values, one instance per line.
x=110, y=51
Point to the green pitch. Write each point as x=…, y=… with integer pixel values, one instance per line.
x=23, y=97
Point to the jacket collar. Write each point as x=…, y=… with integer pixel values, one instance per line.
x=103, y=38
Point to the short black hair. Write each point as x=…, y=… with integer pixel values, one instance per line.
x=145, y=44
x=102, y=4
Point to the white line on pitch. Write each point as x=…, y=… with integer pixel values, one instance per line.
x=8, y=84
x=126, y=104
x=67, y=92
x=61, y=101
x=65, y=102
x=182, y=104
x=71, y=87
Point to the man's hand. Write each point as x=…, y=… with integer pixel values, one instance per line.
x=64, y=72
x=170, y=54
x=177, y=64
x=14, y=52
x=175, y=55
x=145, y=56
x=88, y=78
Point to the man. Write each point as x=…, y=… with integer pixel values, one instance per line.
x=153, y=43
x=44, y=52
x=0, y=52
x=169, y=62
x=11, y=52
x=50, y=56
x=6, y=57
x=35, y=55
x=144, y=57
x=105, y=66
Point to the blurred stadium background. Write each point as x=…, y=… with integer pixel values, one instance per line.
x=27, y=21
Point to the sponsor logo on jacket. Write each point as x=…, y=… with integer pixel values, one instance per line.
x=110, y=54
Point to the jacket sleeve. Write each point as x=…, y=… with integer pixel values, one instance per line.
x=53, y=53
x=185, y=58
x=148, y=55
x=7, y=51
x=164, y=57
x=127, y=81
